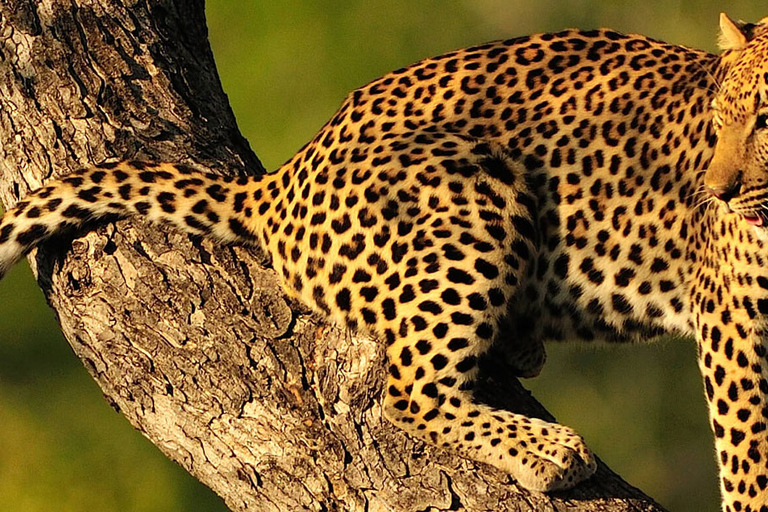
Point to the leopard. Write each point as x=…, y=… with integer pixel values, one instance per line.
x=583, y=185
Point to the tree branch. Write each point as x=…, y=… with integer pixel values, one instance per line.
x=193, y=343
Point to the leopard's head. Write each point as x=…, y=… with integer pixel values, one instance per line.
x=738, y=172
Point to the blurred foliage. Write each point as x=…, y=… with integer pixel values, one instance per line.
x=286, y=66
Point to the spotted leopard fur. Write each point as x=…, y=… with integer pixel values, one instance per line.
x=578, y=185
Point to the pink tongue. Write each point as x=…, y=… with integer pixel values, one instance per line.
x=755, y=221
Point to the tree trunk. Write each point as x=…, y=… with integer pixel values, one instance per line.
x=195, y=344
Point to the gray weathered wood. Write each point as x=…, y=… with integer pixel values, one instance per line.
x=193, y=343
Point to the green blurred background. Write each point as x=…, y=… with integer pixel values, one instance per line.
x=286, y=65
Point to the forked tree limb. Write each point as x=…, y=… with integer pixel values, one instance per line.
x=195, y=344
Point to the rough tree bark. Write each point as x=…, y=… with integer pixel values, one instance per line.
x=193, y=343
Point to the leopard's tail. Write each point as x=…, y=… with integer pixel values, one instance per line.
x=198, y=202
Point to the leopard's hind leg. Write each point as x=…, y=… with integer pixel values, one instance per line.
x=448, y=305
x=435, y=238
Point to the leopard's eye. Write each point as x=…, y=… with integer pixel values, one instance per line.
x=761, y=122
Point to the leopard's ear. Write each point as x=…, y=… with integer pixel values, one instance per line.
x=734, y=35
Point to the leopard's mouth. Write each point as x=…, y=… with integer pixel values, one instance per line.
x=756, y=218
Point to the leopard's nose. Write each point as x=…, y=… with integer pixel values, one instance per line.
x=725, y=193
